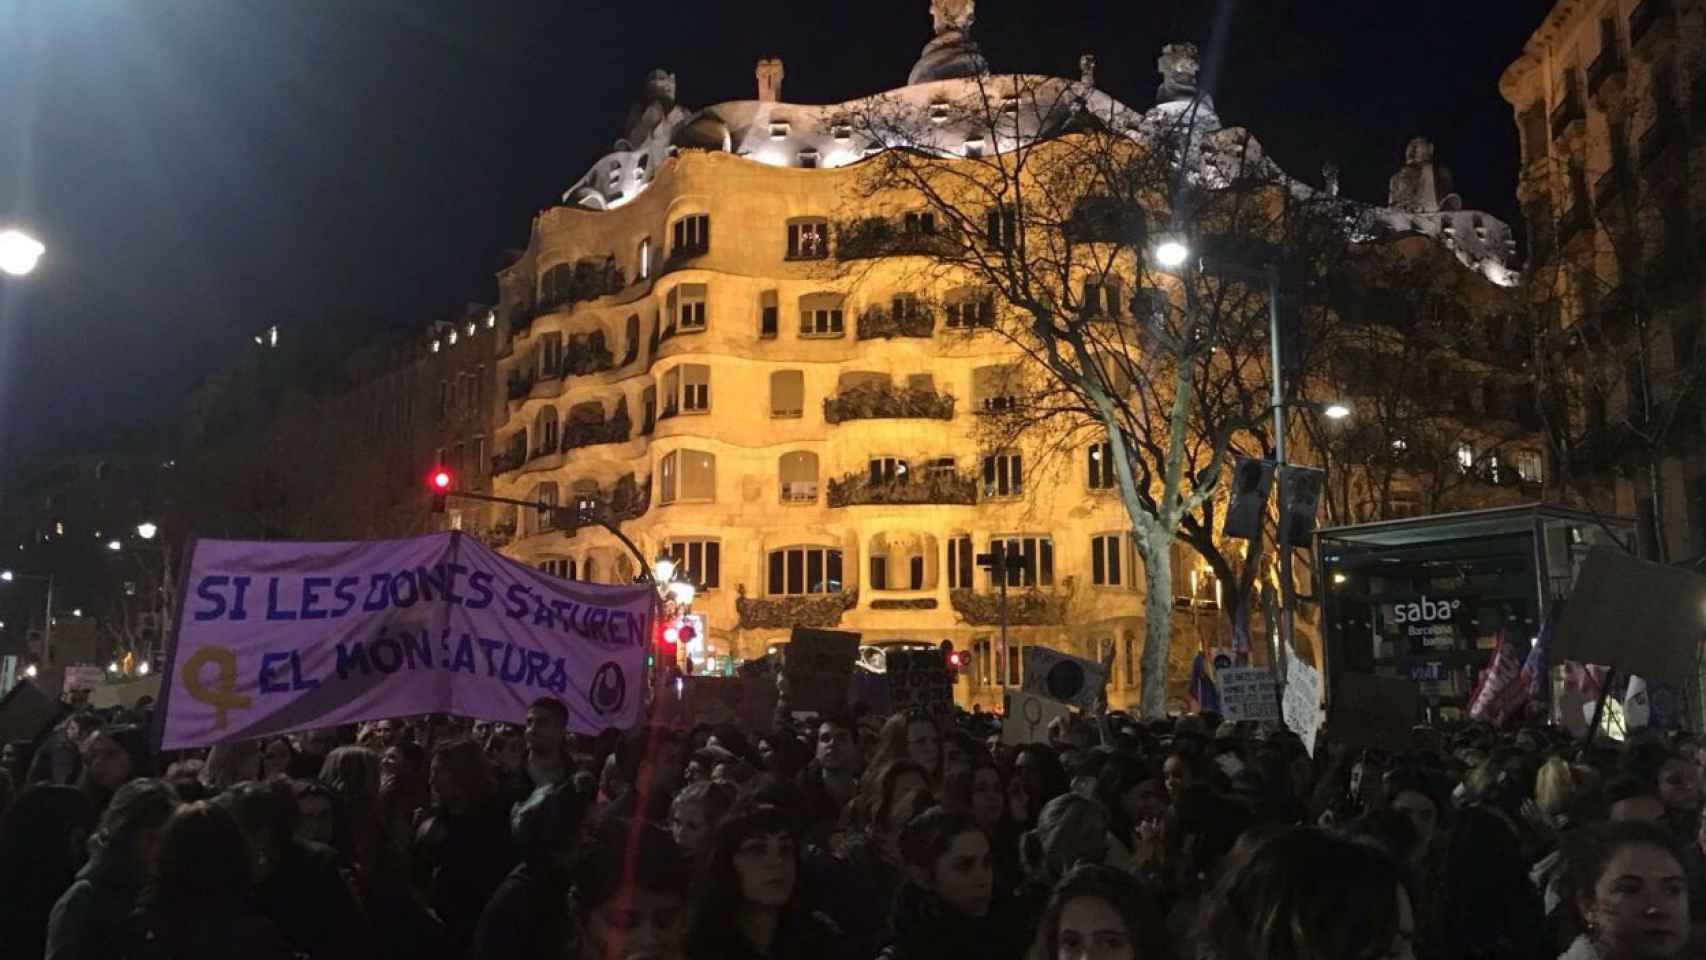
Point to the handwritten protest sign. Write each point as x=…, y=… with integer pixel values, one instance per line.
x=1028, y=716
x=1247, y=693
x=818, y=668
x=1302, y=706
x=919, y=678
x=1058, y=676
x=276, y=637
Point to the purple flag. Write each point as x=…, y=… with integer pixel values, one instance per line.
x=276, y=637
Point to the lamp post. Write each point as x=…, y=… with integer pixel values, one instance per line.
x=1171, y=253
x=8, y=576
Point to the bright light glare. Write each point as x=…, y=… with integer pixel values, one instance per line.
x=7, y=575
x=112, y=667
x=114, y=546
x=682, y=593
x=77, y=612
x=670, y=635
x=1339, y=578
x=142, y=669
x=19, y=252
x=146, y=530
x=1336, y=411
x=30, y=670
x=441, y=479
x=663, y=568
x=1171, y=253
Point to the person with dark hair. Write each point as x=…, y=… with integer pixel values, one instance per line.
x=628, y=895
x=59, y=759
x=745, y=903
x=88, y=922
x=1629, y=799
x=316, y=813
x=1119, y=789
x=1305, y=894
x=1627, y=893
x=831, y=780
x=196, y=905
x=278, y=758
x=1482, y=907
x=524, y=918
x=912, y=735
x=1101, y=913
x=42, y=844
x=463, y=850
x=1039, y=775
x=297, y=884
x=111, y=758
x=649, y=761
x=943, y=908
x=403, y=792
x=547, y=742
x=1391, y=831
x=15, y=759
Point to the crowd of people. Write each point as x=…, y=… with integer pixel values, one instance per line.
x=857, y=837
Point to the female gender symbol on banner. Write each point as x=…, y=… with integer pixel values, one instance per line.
x=222, y=695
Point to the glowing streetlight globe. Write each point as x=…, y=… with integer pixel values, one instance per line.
x=1171, y=253
x=19, y=252
x=146, y=530
x=114, y=546
x=1336, y=411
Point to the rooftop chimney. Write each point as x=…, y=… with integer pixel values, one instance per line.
x=769, y=73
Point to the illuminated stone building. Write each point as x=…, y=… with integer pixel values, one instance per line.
x=689, y=350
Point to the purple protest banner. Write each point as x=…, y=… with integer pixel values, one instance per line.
x=276, y=637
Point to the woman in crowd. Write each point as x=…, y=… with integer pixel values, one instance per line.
x=695, y=815
x=745, y=903
x=943, y=908
x=463, y=852
x=1038, y=777
x=913, y=736
x=403, y=792
x=1071, y=829
x=989, y=809
x=629, y=895
x=112, y=758
x=229, y=764
x=352, y=772
x=1304, y=894
x=1481, y=906
x=89, y=921
x=524, y=919
x=1099, y=913
x=316, y=815
x=42, y=844
x=15, y=759
x=197, y=904
x=1627, y=893
x=1120, y=789
x=278, y=758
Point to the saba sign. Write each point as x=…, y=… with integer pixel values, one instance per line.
x=1429, y=624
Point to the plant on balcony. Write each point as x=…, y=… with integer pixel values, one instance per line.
x=879, y=323
x=630, y=498
x=924, y=486
x=819, y=610
x=519, y=387
x=1025, y=608
x=588, y=353
x=586, y=428
x=887, y=402
x=867, y=237
x=911, y=603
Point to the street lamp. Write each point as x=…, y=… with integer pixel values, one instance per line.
x=114, y=546
x=663, y=569
x=146, y=530
x=19, y=252
x=1336, y=411
x=31, y=671
x=1171, y=253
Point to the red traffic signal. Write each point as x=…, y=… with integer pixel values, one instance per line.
x=956, y=660
x=439, y=482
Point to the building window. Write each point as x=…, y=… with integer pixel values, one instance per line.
x=841, y=131
x=1131, y=658
x=695, y=387
x=919, y=223
x=995, y=389
x=671, y=393
x=1003, y=475
x=808, y=159
x=967, y=309
x=548, y=357
x=787, y=393
x=687, y=476
x=879, y=574
x=1037, y=569
x=1529, y=466
x=645, y=269
x=691, y=234
x=700, y=561
x=1102, y=298
x=768, y=314
x=960, y=562
x=1105, y=553
x=479, y=464
x=798, y=475
x=631, y=338
x=1000, y=227
x=648, y=410
x=821, y=315
x=1465, y=457
x=545, y=431
x=808, y=240
x=1101, y=463
x=974, y=147
x=795, y=571
x=687, y=307
x=779, y=130
x=886, y=470
x=563, y=568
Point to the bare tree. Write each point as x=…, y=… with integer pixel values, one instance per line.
x=1050, y=206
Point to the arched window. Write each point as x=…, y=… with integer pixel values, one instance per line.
x=545, y=431
x=644, y=270
x=798, y=475
x=555, y=285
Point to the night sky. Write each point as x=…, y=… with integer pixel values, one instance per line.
x=201, y=169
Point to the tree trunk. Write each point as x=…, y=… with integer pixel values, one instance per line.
x=1157, y=623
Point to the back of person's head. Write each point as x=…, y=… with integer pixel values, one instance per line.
x=133, y=740
x=202, y=866
x=1389, y=830
x=465, y=767
x=137, y=806
x=1119, y=775
x=1631, y=798
x=1555, y=787
x=230, y=763
x=1304, y=894
x=1206, y=824
x=1483, y=893
x=648, y=745
x=1145, y=928
x=613, y=859
x=41, y=836
x=265, y=810
x=546, y=825
x=1070, y=830
x=352, y=772
x=714, y=799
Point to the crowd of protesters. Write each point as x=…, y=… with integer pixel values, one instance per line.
x=865, y=837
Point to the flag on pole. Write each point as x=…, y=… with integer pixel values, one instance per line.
x=1202, y=683
x=1499, y=692
x=1637, y=707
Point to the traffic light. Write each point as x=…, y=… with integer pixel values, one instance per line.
x=439, y=482
x=954, y=658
